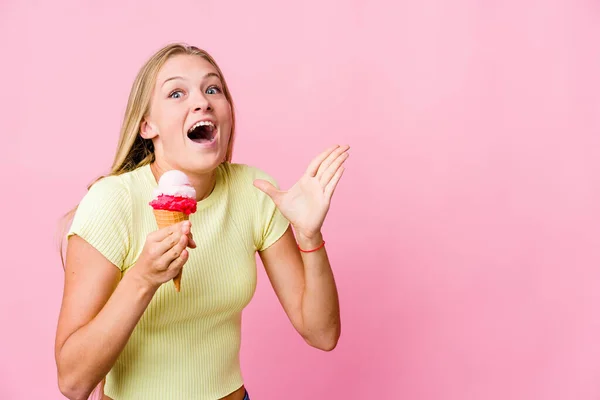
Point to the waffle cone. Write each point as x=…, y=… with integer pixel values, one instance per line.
x=166, y=218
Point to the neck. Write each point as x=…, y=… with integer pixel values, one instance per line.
x=203, y=183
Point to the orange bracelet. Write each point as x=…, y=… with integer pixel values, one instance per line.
x=310, y=251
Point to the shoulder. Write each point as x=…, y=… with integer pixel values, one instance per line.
x=113, y=194
x=109, y=189
x=267, y=221
x=103, y=218
x=108, y=183
x=125, y=184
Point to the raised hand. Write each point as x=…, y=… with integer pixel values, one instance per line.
x=306, y=203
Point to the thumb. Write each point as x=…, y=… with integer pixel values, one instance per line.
x=268, y=189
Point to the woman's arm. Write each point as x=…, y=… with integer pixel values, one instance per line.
x=97, y=317
x=305, y=286
x=99, y=311
x=304, y=282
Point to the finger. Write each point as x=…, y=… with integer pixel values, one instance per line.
x=175, y=251
x=329, y=160
x=330, y=188
x=313, y=167
x=160, y=248
x=332, y=169
x=177, y=264
x=268, y=188
x=162, y=234
x=173, y=235
x=186, y=227
x=191, y=242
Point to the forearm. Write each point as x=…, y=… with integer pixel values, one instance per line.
x=91, y=351
x=320, y=304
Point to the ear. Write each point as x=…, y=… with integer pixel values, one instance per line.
x=148, y=130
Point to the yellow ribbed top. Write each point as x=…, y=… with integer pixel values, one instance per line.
x=186, y=345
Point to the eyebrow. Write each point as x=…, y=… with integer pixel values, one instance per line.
x=208, y=75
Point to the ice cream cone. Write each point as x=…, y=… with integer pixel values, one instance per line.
x=172, y=202
x=166, y=218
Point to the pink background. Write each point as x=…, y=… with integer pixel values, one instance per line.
x=464, y=235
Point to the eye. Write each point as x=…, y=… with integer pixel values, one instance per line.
x=176, y=94
x=213, y=90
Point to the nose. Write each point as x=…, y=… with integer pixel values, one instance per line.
x=201, y=103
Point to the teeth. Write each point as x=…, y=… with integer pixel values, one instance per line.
x=201, y=123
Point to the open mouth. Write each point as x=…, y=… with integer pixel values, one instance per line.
x=202, y=132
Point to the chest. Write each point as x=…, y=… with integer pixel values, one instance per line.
x=219, y=278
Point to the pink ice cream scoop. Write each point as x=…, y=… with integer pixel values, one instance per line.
x=174, y=193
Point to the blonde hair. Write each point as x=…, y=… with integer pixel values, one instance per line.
x=133, y=151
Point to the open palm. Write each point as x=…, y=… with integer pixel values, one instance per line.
x=306, y=203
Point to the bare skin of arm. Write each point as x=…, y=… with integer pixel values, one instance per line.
x=305, y=286
x=100, y=310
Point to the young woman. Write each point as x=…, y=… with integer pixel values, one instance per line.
x=123, y=330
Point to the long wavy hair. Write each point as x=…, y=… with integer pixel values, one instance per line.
x=133, y=151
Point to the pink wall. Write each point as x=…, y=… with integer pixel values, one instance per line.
x=465, y=233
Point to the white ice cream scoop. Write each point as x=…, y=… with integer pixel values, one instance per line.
x=175, y=183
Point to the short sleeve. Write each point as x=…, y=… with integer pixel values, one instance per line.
x=271, y=223
x=103, y=219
